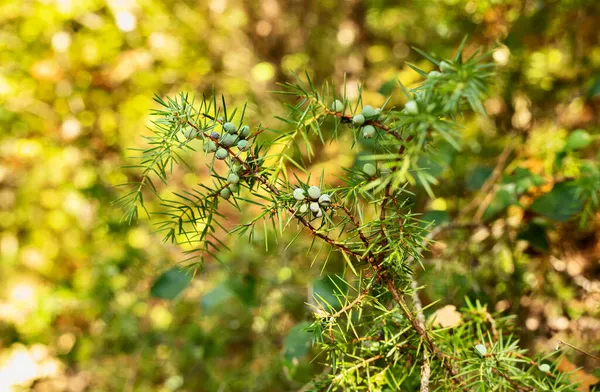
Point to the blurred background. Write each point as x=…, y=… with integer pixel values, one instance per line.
x=76, y=84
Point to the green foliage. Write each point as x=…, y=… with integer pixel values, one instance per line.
x=170, y=284
x=366, y=333
x=76, y=86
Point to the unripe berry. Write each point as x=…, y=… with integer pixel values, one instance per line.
x=233, y=187
x=215, y=135
x=190, y=133
x=377, y=111
x=229, y=127
x=446, y=67
x=385, y=170
x=221, y=154
x=236, y=167
x=225, y=193
x=324, y=200
x=209, y=146
x=358, y=120
x=233, y=178
x=299, y=194
x=303, y=209
x=244, y=131
x=369, y=169
x=411, y=107
x=368, y=131
x=243, y=145
x=319, y=214
x=314, y=208
x=337, y=106
x=368, y=111
x=434, y=74
x=314, y=192
x=228, y=140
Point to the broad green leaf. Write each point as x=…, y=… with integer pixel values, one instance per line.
x=578, y=139
x=435, y=217
x=477, y=178
x=325, y=290
x=170, y=284
x=504, y=197
x=216, y=297
x=560, y=204
x=535, y=235
x=297, y=343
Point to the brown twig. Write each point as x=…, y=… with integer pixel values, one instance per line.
x=576, y=349
x=355, y=221
x=512, y=382
x=486, y=196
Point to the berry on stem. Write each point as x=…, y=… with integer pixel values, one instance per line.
x=446, y=67
x=225, y=193
x=215, y=135
x=324, y=200
x=411, y=107
x=243, y=145
x=337, y=106
x=228, y=140
x=229, y=127
x=221, y=154
x=190, y=133
x=314, y=192
x=233, y=178
x=368, y=111
x=368, y=131
x=244, y=131
x=303, y=209
x=299, y=194
x=370, y=169
x=358, y=120
x=209, y=146
x=233, y=187
x=314, y=208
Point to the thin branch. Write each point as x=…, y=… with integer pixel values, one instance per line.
x=576, y=349
x=485, y=197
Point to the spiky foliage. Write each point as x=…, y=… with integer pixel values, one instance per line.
x=375, y=337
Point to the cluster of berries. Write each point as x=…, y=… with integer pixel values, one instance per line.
x=231, y=136
x=233, y=178
x=312, y=200
x=371, y=170
x=219, y=144
x=368, y=114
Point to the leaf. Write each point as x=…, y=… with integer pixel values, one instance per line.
x=388, y=87
x=559, y=204
x=578, y=139
x=595, y=87
x=170, y=284
x=447, y=317
x=325, y=290
x=503, y=198
x=477, y=177
x=244, y=288
x=216, y=297
x=523, y=180
x=535, y=235
x=435, y=217
x=297, y=343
